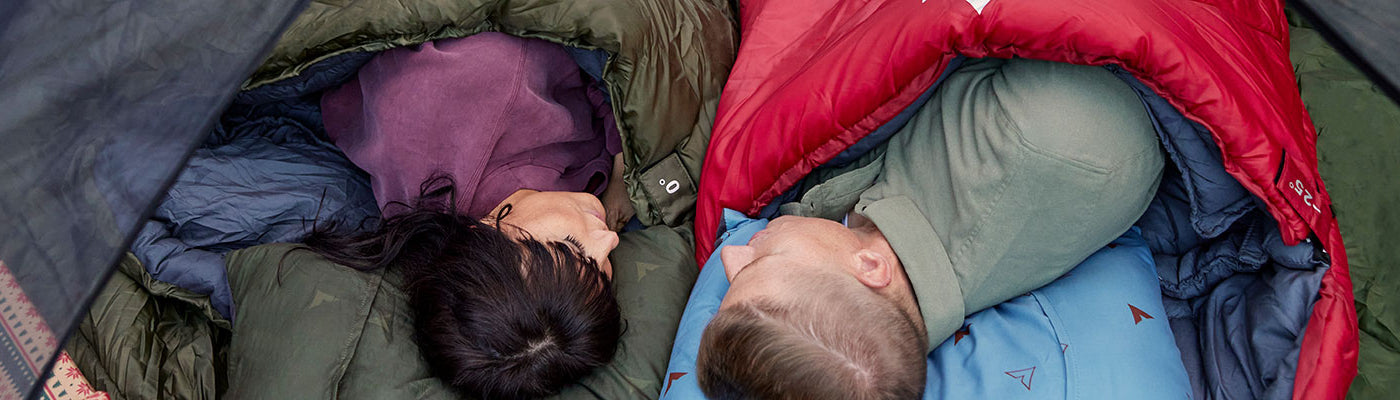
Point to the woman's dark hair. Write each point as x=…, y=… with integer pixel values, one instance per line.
x=495, y=317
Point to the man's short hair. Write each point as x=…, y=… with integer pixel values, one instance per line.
x=833, y=344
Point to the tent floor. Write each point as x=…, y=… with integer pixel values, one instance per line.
x=1358, y=135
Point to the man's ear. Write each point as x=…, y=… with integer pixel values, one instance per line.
x=873, y=269
x=735, y=258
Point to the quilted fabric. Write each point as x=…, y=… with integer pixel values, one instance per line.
x=666, y=64
x=803, y=89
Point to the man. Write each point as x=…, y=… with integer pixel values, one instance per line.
x=1013, y=173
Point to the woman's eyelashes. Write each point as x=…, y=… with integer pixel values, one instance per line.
x=578, y=246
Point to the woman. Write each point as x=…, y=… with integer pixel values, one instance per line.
x=486, y=155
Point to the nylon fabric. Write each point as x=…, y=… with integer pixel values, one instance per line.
x=265, y=175
x=667, y=62
x=100, y=104
x=310, y=329
x=115, y=348
x=1221, y=65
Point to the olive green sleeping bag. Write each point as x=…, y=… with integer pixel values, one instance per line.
x=668, y=62
x=350, y=334
x=307, y=328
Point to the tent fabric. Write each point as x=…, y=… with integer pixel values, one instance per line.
x=1223, y=65
x=90, y=93
x=1358, y=127
x=1365, y=31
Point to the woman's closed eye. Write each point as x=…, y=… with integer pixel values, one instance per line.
x=578, y=246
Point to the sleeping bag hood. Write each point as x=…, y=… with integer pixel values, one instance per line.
x=663, y=64
x=817, y=81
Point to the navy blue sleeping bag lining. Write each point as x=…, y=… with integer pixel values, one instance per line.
x=265, y=174
x=1238, y=298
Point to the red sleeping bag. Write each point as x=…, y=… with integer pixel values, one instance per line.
x=814, y=77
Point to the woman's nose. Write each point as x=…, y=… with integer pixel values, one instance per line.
x=607, y=238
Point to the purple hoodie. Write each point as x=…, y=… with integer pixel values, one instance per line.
x=497, y=112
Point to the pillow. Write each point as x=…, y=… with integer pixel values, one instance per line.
x=1099, y=332
x=709, y=289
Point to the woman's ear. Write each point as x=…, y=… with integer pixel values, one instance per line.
x=735, y=258
x=873, y=269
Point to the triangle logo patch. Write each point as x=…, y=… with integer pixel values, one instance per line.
x=671, y=378
x=1138, y=314
x=1024, y=375
x=958, y=336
